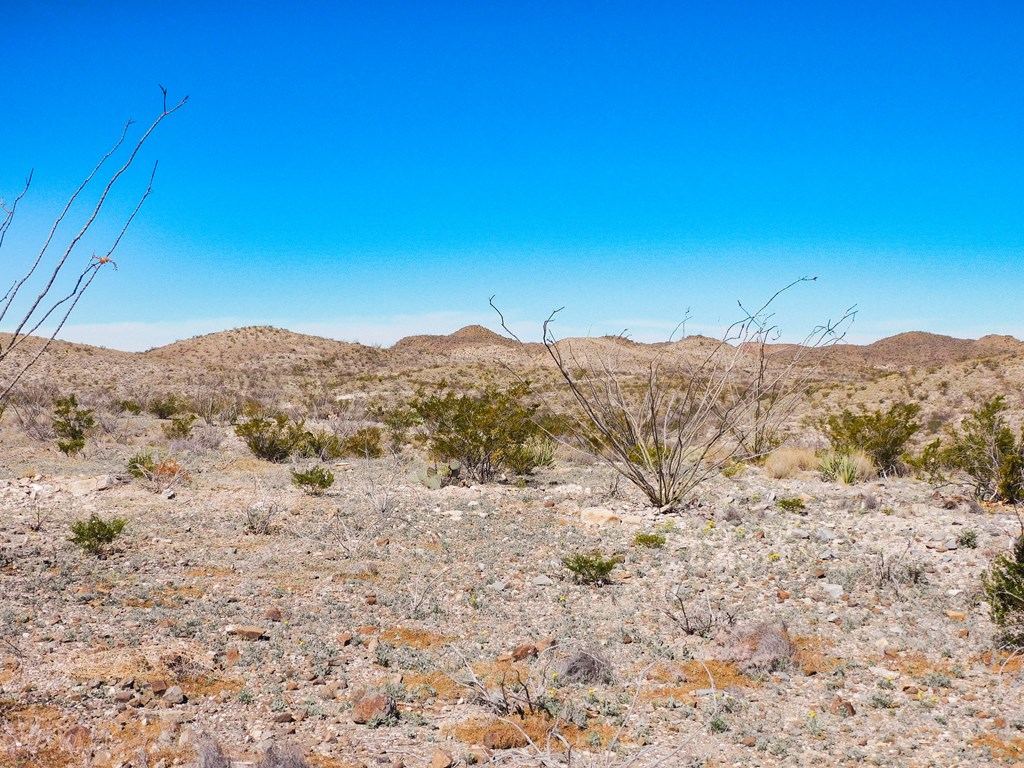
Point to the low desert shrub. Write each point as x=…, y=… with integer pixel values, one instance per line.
x=313, y=481
x=141, y=465
x=649, y=540
x=790, y=504
x=592, y=568
x=846, y=468
x=319, y=444
x=96, y=534
x=180, y=427
x=536, y=453
x=365, y=443
x=882, y=435
x=786, y=461
x=71, y=424
x=986, y=450
x=483, y=432
x=271, y=437
x=167, y=406
x=1003, y=584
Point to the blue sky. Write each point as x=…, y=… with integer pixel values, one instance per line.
x=371, y=170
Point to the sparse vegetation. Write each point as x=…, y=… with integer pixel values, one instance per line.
x=485, y=433
x=71, y=424
x=846, y=468
x=649, y=540
x=882, y=435
x=591, y=568
x=313, y=481
x=1003, y=584
x=986, y=451
x=273, y=438
x=95, y=534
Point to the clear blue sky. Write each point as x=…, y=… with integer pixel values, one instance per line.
x=370, y=170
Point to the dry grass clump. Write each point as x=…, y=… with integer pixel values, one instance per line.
x=761, y=647
x=585, y=668
x=788, y=460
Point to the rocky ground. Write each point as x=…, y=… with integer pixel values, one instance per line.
x=781, y=622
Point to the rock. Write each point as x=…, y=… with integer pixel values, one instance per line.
x=247, y=632
x=956, y=615
x=283, y=717
x=503, y=737
x=169, y=493
x=749, y=741
x=174, y=695
x=818, y=573
x=599, y=516
x=90, y=485
x=834, y=591
x=123, y=697
x=841, y=707
x=374, y=706
x=345, y=638
x=523, y=651
x=273, y=614
x=370, y=600
x=543, y=580
x=783, y=595
x=77, y=738
x=441, y=759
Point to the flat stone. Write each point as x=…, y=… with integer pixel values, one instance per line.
x=247, y=631
x=834, y=591
x=174, y=695
x=543, y=580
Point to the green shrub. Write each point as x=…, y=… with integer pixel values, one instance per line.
x=141, y=465
x=649, y=540
x=320, y=444
x=793, y=504
x=366, y=443
x=397, y=421
x=592, y=568
x=313, y=481
x=537, y=452
x=96, y=534
x=166, y=406
x=71, y=425
x=968, y=538
x=272, y=438
x=128, y=406
x=882, y=435
x=986, y=450
x=180, y=427
x=1004, y=590
x=483, y=432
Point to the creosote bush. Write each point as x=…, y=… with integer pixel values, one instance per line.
x=271, y=437
x=313, y=481
x=484, y=432
x=180, y=427
x=96, y=534
x=882, y=435
x=71, y=424
x=364, y=443
x=593, y=568
x=1004, y=589
x=985, y=449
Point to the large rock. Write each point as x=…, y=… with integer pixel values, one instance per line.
x=90, y=485
x=600, y=517
x=374, y=707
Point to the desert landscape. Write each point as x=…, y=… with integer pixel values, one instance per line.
x=368, y=596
